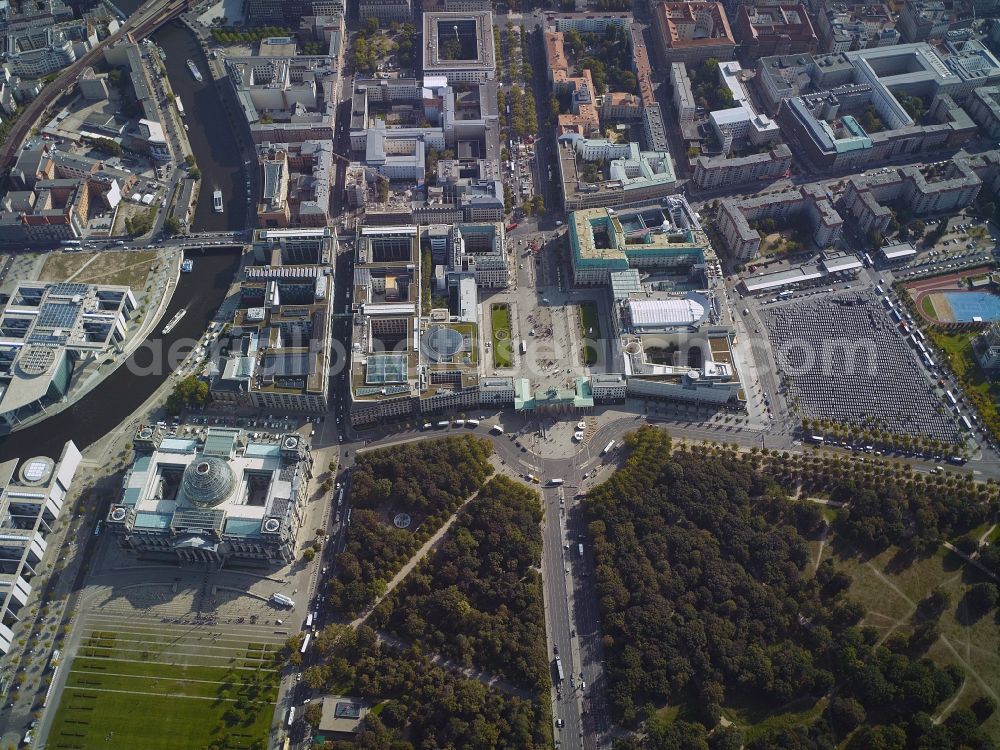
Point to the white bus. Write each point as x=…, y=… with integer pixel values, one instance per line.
x=608, y=448
x=472, y=423
x=496, y=429
x=559, y=669
x=966, y=424
x=951, y=398
x=524, y=346
x=70, y=243
x=291, y=716
x=556, y=482
x=283, y=600
x=305, y=642
x=309, y=620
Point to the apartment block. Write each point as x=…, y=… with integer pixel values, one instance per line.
x=984, y=107
x=920, y=20
x=810, y=201
x=680, y=84
x=842, y=27
x=386, y=10
x=943, y=187
x=713, y=172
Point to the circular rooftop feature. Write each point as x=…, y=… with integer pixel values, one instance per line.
x=36, y=471
x=36, y=360
x=271, y=525
x=442, y=343
x=208, y=481
x=118, y=513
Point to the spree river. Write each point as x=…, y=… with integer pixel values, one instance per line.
x=200, y=293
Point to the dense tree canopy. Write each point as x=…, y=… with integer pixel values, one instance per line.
x=426, y=480
x=478, y=600
x=705, y=601
x=429, y=707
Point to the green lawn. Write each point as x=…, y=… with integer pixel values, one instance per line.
x=590, y=329
x=503, y=348
x=927, y=306
x=982, y=392
x=890, y=594
x=119, y=703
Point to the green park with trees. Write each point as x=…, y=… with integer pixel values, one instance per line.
x=775, y=600
x=428, y=481
x=191, y=391
x=478, y=600
x=417, y=704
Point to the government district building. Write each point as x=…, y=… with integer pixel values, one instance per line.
x=220, y=498
x=51, y=336
x=280, y=338
x=459, y=46
x=32, y=497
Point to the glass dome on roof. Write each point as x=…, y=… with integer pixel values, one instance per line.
x=208, y=481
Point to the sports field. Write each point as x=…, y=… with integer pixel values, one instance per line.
x=185, y=688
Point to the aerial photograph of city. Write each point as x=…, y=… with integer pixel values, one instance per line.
x=499, y=374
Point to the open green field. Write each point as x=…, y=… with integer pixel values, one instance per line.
x=590, y=330
x=127, y=268
x=138, y=690
x=890, y=594
x=927, y=306
x=503, y=345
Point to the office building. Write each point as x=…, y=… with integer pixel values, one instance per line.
x=279, y=340
x=459, y=46
x=693, y=32
x=773, y=30
x=651, y=238
x=285, y=100
x=632, y=176
x=32, y=498
x=295, y=184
